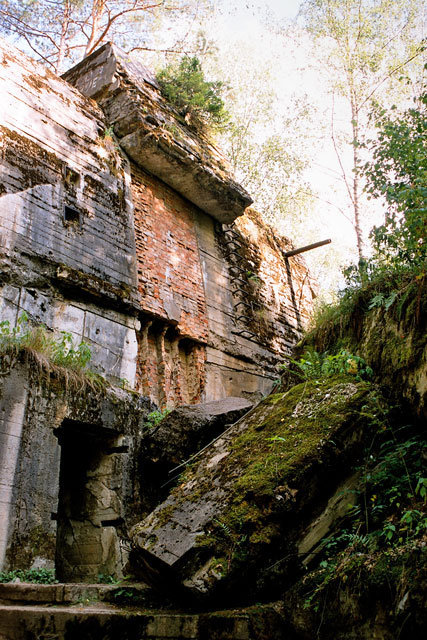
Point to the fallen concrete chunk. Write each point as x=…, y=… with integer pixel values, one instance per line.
x=190, y=427
x=232, y=526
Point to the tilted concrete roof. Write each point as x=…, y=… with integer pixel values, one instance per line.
x=155, y=136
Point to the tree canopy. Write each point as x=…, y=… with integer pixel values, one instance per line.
x=397, y=172
x=58, y=31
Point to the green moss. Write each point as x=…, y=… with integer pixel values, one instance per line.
x=392, y=341
x=274, y=460
x=37, y=542
x=292, y=433
x=164, y=515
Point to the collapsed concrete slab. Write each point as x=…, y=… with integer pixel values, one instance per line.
x=236, y=519
x=155, y=135
x=190, y=427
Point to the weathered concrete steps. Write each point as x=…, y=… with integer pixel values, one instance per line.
x=82, y=612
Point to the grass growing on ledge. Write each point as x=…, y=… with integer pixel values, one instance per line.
x=52, y=353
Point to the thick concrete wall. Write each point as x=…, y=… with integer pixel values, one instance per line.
x=258, y=304
x=206, y=333
x=169, y=272
x=110, y=334
x=99, y=434
x=66, y=218
x=169, y=298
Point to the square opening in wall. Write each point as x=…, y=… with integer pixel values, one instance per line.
x=72, y=178
x=71, y=216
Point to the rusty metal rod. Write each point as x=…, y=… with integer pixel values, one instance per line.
x=308, y=247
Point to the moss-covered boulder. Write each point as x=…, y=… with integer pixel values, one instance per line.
x=231, y=527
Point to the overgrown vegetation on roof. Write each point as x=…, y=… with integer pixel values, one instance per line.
x=196, y=98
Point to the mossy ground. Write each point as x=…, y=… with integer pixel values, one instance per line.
x=354, y=324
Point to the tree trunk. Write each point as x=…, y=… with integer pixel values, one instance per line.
x=98, y=8
x=356, y=181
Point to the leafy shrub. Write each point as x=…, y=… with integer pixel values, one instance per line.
x=314, y=365
x=155, y=417
x=107, y=579
x=38, y=576
x=389, y=517
x=391, y=497
x=398, y=172
x=184, y=85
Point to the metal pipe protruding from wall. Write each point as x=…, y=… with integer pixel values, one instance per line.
x=308, y=247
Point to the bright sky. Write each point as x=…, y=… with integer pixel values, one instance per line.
x=280, y=8
x=244, y=21
x=242, y=17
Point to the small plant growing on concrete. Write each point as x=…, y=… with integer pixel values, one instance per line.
x=155, y=417
x=60, y=349
x=38, y=576
x=52, y=352
x=313, y=365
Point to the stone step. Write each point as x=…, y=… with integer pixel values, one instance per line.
x=102, y=621
x=61, y=593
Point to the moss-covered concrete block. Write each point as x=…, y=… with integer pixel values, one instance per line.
x=236, y=516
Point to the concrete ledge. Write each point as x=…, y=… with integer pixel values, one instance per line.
x=102, y=621
x=25, y=592
x=155, y=135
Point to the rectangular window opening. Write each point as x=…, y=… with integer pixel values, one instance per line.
x=72, y=178
x=71, y=216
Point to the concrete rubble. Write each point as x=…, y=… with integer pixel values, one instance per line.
x=241, y=509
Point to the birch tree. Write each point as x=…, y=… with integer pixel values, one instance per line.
x=364, y=47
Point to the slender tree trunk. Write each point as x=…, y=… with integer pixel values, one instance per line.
x=356, y=181
x=98, y=7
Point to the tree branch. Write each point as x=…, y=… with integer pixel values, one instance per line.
x=389, y=75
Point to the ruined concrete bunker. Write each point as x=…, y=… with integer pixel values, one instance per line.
x=122, y=226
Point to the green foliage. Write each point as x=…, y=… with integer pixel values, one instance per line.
x=38, y=576
x=392, y=492
x=363, y=44
x=108, y=133
x=313, y=365
x=60, y=350
x=389, y=515
x=383, y=300
x=184, y=85
x=126, y=595
x=398, y=173
x=155, y=417
x=107, y=579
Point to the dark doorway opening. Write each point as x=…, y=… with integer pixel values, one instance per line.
x=89, y=504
